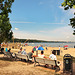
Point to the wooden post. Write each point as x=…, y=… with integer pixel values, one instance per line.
x=37, y=52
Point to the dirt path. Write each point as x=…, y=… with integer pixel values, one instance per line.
x=8, y=67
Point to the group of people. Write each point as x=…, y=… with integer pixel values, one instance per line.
x=52, y=56
x=8, y=50
x=22, y=52
x=41, y=55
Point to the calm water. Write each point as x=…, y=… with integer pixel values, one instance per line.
x=70, y=45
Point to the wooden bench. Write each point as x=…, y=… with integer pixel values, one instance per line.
x=20, y=56
x=7, y=54
x=46, y=61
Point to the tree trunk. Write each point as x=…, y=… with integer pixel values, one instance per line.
x=0, y=46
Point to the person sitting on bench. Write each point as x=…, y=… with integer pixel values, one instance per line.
x=6, y=49
x=20, y=50
x=9, y=50
x=12, y=54
x=24, y=52
x=30, y=54
x=53, y=56
x=41, y=55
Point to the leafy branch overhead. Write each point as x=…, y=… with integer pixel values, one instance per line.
x=5, y=26
x=70, y=4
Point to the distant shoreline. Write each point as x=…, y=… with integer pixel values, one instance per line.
x=38, y=41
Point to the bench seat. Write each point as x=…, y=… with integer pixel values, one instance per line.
x=45, y=61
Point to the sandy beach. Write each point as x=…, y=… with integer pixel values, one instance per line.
x=47, y=52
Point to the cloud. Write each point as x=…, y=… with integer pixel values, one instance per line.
x=69, y=11
x=20, y=22
x=28, y=35
x=61, y=7
x=41, y=31
x=41, y=3
x=58, y=34
x=61, y=33
x=54, y=23
x=62, y=21
x=16, y=29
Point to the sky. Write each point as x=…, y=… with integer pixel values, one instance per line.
x=41, y=20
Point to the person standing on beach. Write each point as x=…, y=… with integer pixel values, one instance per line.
x=59, y=47
x=46, y=48
x=59, y=50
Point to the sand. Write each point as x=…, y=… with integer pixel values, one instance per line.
x=70, y=51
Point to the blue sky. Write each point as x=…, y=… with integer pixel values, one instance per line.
x=41, y=20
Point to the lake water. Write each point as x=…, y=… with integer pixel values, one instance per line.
x=70, y=45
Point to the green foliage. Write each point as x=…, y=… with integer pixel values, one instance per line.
x=5, y=26
x=72, y=23
x=69, y=4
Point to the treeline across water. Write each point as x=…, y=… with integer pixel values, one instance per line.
x=35, y=41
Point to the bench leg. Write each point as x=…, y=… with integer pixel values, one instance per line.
x=34, y=64
x=4, y=56
x=38, y=64
x=57, y=69
x=15, y=59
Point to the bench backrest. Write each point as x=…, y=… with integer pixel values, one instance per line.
x=21, y=56
x=50, y=62
x=45, y=61
x=7, y=53
x=40, y=60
